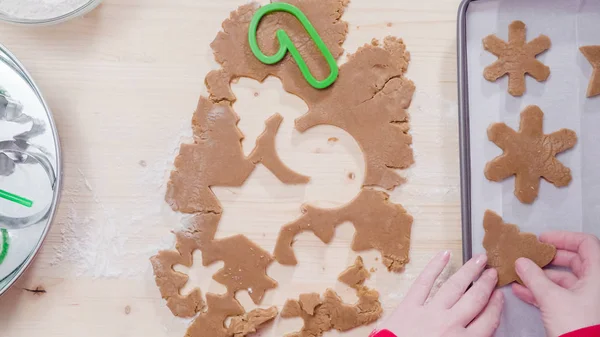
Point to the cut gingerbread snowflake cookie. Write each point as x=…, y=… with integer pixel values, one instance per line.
x=504, y=244
x=529, y=154
x=592, y=54
x=516, y=58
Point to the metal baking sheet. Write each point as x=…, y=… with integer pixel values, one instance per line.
x=31, y=167
x=569, y=24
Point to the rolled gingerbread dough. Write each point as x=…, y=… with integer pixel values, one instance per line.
x=369, y=101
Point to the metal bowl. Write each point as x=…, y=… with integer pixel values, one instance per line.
x=84, y=9
x=36, y=145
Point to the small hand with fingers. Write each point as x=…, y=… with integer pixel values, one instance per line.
x=454, y=311
x=568, y=299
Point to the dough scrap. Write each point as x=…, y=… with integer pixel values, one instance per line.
x=331, y=313
x=356, y=275
x=248, y=323
x=504, y=244
x=211, y=323
x=516, y=58
x=266, y=153
x=244, y=268
x=308, y=302
x=529, y=154
x=592, y=54
x=379, y=224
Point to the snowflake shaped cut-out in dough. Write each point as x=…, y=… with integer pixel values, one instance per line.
x=529, y=154
x=516, y=58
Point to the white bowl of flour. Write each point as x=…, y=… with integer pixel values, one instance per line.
x=40, y=12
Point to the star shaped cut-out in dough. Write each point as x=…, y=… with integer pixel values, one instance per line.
x=516, y=58
x=592, y=54
x=529, y=154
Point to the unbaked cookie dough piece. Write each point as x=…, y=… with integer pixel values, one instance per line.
x=504, y=244
x=211, y=323
x=592, y=54
x=529, y=154
x=356, y=275
x=516, y=58
x=330, y=313
x=249, y=323
x=379, y=224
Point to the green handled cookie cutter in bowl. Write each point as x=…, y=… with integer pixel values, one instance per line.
x=15, y=198
x=26, y=157
x=286, y=44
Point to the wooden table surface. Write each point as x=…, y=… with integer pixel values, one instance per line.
x=123, y=82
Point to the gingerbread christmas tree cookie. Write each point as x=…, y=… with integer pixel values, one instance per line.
x=504, y=244
x=529, y=154
x=592, y=54
x=516, y=58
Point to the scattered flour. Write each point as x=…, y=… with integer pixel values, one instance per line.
x=39, y=9
x=109, y=242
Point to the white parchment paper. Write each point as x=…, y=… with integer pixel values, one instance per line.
x=569, y=24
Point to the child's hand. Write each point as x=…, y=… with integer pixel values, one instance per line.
x=452, y=312
x=568, y=300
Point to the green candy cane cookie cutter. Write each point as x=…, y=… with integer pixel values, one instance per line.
x=286, y=44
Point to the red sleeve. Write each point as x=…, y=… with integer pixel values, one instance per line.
x=592, y=331
x=382, y=333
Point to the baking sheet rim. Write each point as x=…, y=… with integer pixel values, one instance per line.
x=464, y=135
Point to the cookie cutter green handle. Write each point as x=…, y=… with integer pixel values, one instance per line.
x=286, y=44
x=15, y=198
x=4, y=244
